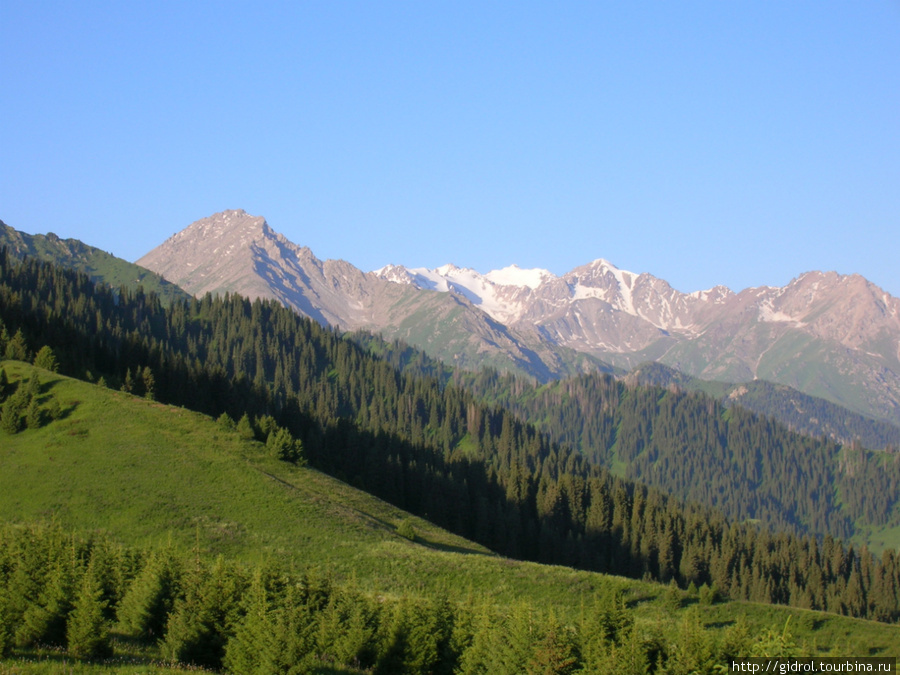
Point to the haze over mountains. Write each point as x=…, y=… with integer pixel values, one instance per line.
x=829, y=335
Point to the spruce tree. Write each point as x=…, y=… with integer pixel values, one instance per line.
x=54, y=409
x=225, y=421
x=556, y=652
x=148, y=382
x=4, y=337
x=346, y=630
x=87, y=631
x=46, y=359
x=17, y=348
x=44, y=620
x=284, y=446
x=692, y=651
x=149, y=599
x=253, y=648
x=245, y=428
x=202, y=620
x=34, y=415
x=128, y=383
x=11, y=415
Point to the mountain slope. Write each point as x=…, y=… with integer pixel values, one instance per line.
x=171, y=478
x=99, y=265
x=234, y=252
x=152, y=474
x=800, y=412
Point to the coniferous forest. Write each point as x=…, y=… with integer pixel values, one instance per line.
x=752, y=518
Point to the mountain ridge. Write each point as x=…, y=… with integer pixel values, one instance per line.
x=829, y=335
x=98, y=264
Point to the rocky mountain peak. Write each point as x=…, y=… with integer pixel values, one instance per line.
x=235, y=225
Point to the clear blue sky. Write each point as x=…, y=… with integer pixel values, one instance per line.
x=736, y=142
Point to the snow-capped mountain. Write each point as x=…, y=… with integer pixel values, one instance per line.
x=509, y=294
x=828, y=335
x=503, y=294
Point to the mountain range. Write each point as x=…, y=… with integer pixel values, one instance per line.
x=828, y=335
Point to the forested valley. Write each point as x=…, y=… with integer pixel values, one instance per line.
x=689, y=445
x=433, y=448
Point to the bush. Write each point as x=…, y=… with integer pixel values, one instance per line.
x=406, y=529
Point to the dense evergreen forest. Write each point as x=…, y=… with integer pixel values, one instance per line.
x=435, y=450
x=809, y=415
x=57, y=590
x=694, y=447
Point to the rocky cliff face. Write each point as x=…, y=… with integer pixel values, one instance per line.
x=828, y=335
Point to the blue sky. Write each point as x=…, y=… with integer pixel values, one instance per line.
x=740, y=142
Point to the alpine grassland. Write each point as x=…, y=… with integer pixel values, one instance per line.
x=145, y=538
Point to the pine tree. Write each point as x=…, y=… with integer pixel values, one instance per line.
x=146, y=604
x=34, y=415
x=46, y=359
x=555, y=652
x=199, y=625
x=87, y=631
x=17, y=348
x=44, y=621
x=245, y=428
x=11, y=415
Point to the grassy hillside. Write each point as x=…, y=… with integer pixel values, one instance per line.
x=150, y=475
x=99, y=265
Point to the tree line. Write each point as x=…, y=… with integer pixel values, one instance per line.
x=430, y=446
x=87, y=596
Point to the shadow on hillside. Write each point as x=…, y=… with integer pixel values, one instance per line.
x=387, y=526
x=457, y=492
x=449, y=548
x=47, y=396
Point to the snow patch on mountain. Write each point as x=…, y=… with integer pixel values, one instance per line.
x=499, y=293
x=516, y=276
